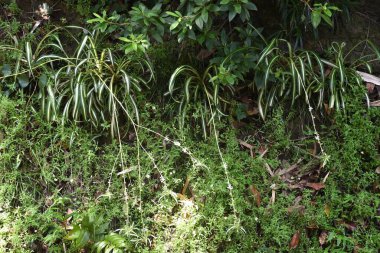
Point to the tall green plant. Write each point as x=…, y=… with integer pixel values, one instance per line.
x=291, y=74
x=89, y=84
x=204, y=94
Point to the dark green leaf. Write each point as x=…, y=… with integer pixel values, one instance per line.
x=6, y=70
x=251, y=6
x=315, y=18
x=23, y=80
x=231, y=15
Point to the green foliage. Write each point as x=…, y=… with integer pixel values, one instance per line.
x=198, y=21
x=112, y=243
x=300, y=17
x=90, y=83
x=201, y=93
x=292, y=74
x=92, y=232
x=104, y=23
x=324, y=12
x=135, y=43
x=87, y=7
x=90, y=229
x=13, y=8
x=156, y=188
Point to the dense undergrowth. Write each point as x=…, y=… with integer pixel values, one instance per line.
x=166, y=127
x=170, y=199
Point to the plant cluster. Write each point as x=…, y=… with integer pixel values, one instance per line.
x=77, y=85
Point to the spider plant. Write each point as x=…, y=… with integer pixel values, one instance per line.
x=200, y=94
x=293, y=74
x=87, y=84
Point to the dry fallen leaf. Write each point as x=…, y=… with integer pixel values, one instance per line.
x=328, y=110
x=369, y=78
x=262, y=151
x=247, y=145
x=295, y=240
x=256, y=194
x=181, y=196
x=204, y=54
x=315, y=148
x=312, y=226
x=348, y=225
x=370, y=87
x=323, y=238
x=287, y=170
x=298, y=209
x=131, y=136
x=316, y=186
x=185, y=185
x=238, y=124
x=327, y=72
x=252, y=111
x=126, y=170
x=66, y=223
x=377, y=170
x=299, y=185
x=357, y=249
x=273, y=197
x=327, y=210
x=375, y=103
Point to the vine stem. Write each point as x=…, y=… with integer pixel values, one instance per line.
x=316, y=134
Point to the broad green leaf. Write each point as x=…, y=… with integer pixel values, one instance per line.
x=173, y=14
x=251, y=6
x=23, y=80
x=42, y=81
x=328, y=13
x=315, y=18
x=199, y=22
x=231, y=15
x=6, y=70
x=204, y=15
x=174, y=25
x=237, y=8
x=241, y=111
x=327, y=19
